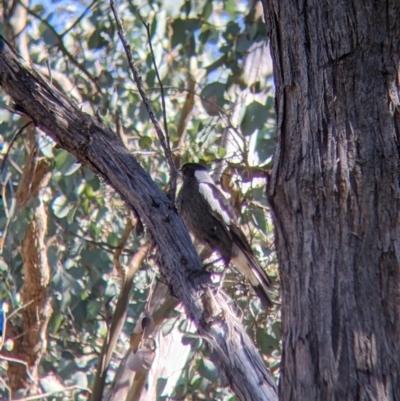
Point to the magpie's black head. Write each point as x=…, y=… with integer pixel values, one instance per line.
x=189, y=169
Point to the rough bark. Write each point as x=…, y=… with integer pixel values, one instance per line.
x=334, y=190
x=94, y=145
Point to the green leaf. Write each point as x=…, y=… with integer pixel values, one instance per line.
x=232, y=30
x=56, y=320
x=150, y=78
x=207, y=10
x=254, y=118
x=94, y=39
x=221, y=152
x=93, y=309
x=94, y=183
x=145, y=142
x=208, y=370
x=60, y=206
x=266, y=343
x=72, y=168
x=66, y=164
x=153, y=27
x=215, y=90
x=182, y=28
x=89, y=191
x=71, y=213
x=48, y=35
x=179, y=32
x=276, y=328
x=243, y=44
x=60, y=158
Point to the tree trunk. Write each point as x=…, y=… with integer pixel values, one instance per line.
x=334, y=190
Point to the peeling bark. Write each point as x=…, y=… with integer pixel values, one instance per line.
x=133, y=370
x=94, y=145
x=31, y=340
x=31, y=344
x=334, y=190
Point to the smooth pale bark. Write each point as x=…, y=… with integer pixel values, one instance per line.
x=95, y=146
x=334, y=190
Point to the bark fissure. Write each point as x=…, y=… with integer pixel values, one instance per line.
x=334, y=194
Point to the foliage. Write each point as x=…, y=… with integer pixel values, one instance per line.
x=200, y=48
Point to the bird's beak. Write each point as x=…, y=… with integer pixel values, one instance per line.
x=179, y=171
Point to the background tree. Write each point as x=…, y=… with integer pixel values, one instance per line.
x=218, y=100
x=334, y=189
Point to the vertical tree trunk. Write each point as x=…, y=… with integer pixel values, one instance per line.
x=334, y=190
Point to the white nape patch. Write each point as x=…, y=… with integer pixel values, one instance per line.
x=203, y=176
x=241, y=262
x=207, y=192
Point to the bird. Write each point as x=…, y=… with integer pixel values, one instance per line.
x=211, y=219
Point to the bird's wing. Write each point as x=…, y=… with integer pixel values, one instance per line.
x=244, y=259
x=217, y=204
x=221, y=209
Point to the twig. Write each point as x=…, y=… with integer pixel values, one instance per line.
x=20, y=361
x=103, y=245
x=49, y=71
x=15, y=311
x=18, y=133
x=44, y=395
x=138, y=80
x=63, y=49
x=118, y=251
x=185, y=112
x=79, y=19
x=7, y=387
x=147, y=27
x=14, y=110
x=8, y=212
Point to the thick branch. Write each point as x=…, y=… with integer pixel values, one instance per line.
x=95, y=146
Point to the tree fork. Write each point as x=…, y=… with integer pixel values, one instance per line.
x=96, y=147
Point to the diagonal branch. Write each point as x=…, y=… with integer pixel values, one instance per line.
x=163, y=138
x=164, y=108
x=117, y=323
x=97, y=147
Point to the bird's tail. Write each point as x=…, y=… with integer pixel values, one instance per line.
x=247, y=264
x=264, y=296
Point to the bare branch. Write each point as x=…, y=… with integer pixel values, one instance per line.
x=117, y=322
x=164, y=140
x=147, y=27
